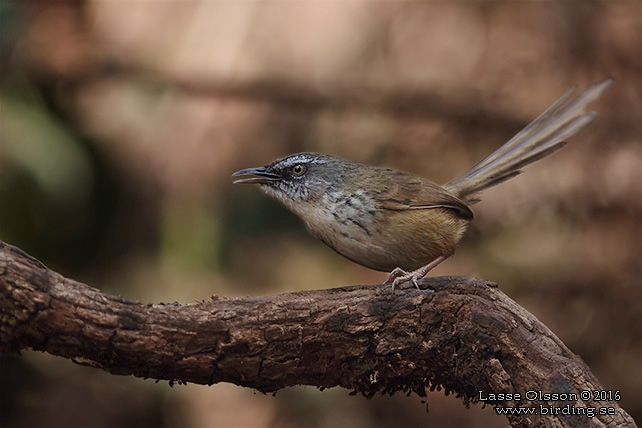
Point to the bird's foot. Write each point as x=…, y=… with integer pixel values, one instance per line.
x=399, y=276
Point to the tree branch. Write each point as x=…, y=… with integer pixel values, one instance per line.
x=459, y=334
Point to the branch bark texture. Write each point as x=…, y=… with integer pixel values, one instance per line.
x=459, y=334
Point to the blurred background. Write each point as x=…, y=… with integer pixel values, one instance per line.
x=121, y=122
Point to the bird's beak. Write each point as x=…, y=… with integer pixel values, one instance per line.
x=262, y=176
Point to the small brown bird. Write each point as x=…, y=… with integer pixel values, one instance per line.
x=392, y=221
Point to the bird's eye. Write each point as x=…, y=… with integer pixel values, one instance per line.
x=298, y=170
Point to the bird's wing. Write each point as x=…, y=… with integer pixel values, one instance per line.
x=407, y=192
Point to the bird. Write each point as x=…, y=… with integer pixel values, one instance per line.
x=396, y=222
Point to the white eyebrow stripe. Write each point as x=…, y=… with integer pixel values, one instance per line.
x=302, y=159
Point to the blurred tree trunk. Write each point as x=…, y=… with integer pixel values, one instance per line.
x=459, y=334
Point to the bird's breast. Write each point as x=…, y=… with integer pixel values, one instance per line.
x=381, y=239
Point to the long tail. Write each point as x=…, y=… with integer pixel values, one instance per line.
x=540, y=138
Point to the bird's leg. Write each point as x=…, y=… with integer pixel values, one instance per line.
x=399, y=276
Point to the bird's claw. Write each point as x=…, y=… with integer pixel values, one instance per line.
x=399, y=276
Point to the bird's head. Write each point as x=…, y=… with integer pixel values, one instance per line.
x=298, y=179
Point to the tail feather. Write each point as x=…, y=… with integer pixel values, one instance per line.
x=540, y=138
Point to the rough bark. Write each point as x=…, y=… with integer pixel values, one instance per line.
x=459, y=334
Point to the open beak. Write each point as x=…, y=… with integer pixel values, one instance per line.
x=261, y=176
